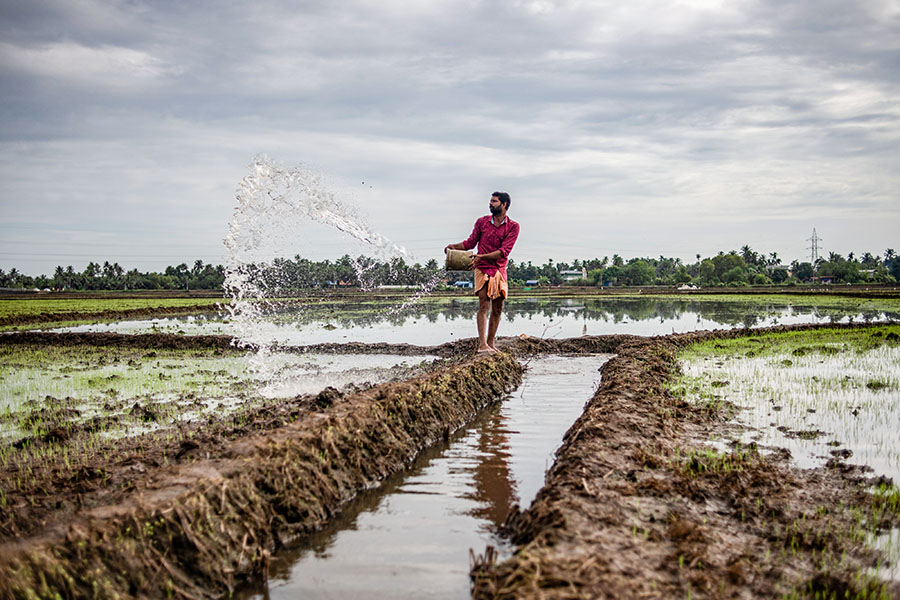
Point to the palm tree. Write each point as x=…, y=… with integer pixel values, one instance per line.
x=71, y=277
x=59, y=277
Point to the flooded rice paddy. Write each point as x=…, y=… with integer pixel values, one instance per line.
x=818, y=400
x=828, y=398
x=414, y=533
x=139, y=390
x=831, y=398
x=439, y=320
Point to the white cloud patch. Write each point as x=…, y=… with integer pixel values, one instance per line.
x=108, y=67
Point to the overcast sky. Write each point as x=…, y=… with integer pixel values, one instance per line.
x=642, y=128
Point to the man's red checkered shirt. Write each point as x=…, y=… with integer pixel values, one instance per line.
x=490, y=237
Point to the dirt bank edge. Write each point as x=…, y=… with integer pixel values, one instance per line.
x=195, y=530
x=637, y=506
x=171, y=341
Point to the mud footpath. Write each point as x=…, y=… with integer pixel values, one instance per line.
x=636, y=505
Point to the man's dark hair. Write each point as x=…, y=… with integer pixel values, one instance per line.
x=504, y=198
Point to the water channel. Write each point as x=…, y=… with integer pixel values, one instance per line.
x=414, y=532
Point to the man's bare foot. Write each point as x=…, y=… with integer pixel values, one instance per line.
x=494, y=348
x=485, y=350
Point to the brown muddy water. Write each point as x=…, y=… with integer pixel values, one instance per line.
x=411, y=537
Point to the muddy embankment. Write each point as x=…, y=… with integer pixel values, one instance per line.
x=172, y=341
x=638, y=506
x=214, y=515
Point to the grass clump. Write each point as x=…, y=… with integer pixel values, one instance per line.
x=711, y=462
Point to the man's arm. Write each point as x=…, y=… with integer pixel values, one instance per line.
x=466, y=244
x=459, y=246
x=509, y=241
x=496, y=254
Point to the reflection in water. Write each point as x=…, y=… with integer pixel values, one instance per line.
x=734, y=313
x=494, y=488
x=411, y=537
x=442, y=320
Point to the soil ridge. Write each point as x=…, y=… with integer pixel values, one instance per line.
x=638, y=505
x=194, y=530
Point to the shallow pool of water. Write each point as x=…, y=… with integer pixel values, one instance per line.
x=815, y=405
x=434, y=323
x=411, y=537
x=101, y=382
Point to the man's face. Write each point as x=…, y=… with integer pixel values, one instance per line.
x=496, y=205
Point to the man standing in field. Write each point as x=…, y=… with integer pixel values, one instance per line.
x=495, y=235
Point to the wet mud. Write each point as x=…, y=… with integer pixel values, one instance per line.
x=170, y=341
x=636, y=504
x=119, y=340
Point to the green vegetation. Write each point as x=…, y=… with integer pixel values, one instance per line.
x=50, y=312
x=111, y=276
x=735, y=269
x=45, y=387
x=710, y=462
x=808, y=391
x=26, y=307
x=796, y=343
x=127, y=390
x=831, y=393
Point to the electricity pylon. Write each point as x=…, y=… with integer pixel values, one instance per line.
x=815, y=239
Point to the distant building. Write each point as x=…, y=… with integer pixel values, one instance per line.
x=573, y=274
x=531, y=282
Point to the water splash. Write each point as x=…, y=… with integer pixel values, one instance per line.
x=276, y=206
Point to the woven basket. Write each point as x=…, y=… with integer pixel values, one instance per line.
x=458, y=260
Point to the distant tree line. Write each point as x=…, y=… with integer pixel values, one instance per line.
x=111, y=276
x=362, y=271
x=742, y=267
x=736, y=268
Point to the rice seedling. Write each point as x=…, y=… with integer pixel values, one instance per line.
x=116, y=392
x=811, y=392
x=825, y=395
